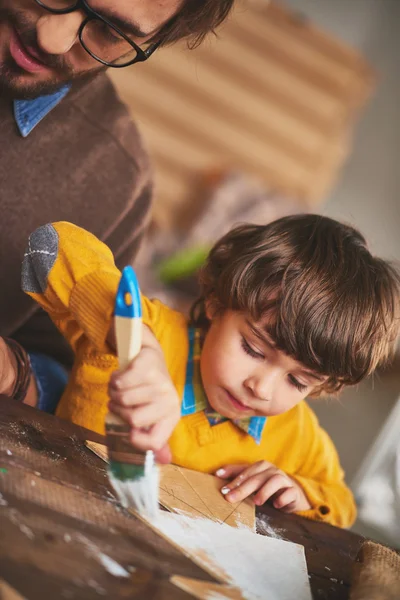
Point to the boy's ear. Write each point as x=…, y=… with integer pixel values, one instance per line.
x=211, y=307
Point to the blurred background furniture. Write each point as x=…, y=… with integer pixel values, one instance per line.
x=273, y=96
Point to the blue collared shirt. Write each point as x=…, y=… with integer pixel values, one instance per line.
x=28, y=113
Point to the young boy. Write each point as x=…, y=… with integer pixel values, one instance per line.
x=288, y=310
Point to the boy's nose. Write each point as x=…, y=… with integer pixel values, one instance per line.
x=56, y=34
x=262, y=385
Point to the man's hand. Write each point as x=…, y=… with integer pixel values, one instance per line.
x=267, y=482
x=8, y=369
x=145, y=397
x=8, y=375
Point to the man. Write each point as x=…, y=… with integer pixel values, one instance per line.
x=69, y=151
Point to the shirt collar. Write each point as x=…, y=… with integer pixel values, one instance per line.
x=195, y=400
x=28, y=113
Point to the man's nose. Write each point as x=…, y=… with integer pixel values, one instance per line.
x=56, y=34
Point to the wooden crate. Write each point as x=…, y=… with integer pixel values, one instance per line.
x=271, y=95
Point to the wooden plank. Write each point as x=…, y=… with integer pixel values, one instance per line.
x=25, y=563
x=195, y=494
x=204, y=590
x=9, y=593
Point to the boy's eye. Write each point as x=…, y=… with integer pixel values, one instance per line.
x=300, y=386
x=249, y=350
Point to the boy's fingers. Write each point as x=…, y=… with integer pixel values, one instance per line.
x=154, y=438
x=129, y=414
x=276, y=482
x=229, y=471
x=287, y=498
x=164, y=456
x=131, y=377
x=245, y=488
x=247, y=472
x=145, y=415
x=131, y=397
x=122, y=380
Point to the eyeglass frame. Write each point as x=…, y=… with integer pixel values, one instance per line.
x=92, y=15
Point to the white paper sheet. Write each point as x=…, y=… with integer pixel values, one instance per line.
x=262, y=567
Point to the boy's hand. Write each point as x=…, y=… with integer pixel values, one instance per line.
x=267, y=482
x=145, y=397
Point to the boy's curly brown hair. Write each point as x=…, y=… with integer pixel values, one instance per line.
x=316, y=288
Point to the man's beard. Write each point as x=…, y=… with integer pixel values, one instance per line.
x=11, y=74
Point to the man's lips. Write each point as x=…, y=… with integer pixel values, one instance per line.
x=237, y=404
x=24, y=58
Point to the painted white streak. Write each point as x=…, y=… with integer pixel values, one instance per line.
x=264, y=528
x=142, y=493
x=112, y=566
x=108, y=563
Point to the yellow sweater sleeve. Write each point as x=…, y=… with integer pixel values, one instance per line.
x=72, y=275
x=322, y=477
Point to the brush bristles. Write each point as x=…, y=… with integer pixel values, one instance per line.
x=140, y=491
x=132, y=473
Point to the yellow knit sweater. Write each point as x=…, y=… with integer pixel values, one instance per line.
x=77, y=287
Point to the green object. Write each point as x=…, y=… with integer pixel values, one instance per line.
x=125, y=471
x=2, y=470
x=182, y=264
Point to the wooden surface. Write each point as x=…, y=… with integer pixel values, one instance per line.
x=61, y=526
x=204, y=590
x=195, y=494
x=271, y=95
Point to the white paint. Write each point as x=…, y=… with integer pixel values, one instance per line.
x=264, y=528
x=15, y=518
x=240, y=525
x=112, y=566
x=142, y=493
x=3, y=501
x=27, y=531
x=96, y=587
x=108, y=563
x=259, y=566
x=9, y=452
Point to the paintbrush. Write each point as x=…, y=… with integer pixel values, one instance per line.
x=132, y=473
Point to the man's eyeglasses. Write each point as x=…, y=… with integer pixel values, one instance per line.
x=99, y=37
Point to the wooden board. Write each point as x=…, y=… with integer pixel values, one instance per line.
x=60, y=490
x=9, y=593
x=271, y=95
x=204, y=590
x=196, y=494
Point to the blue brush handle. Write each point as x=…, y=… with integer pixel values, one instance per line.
x=128, y=285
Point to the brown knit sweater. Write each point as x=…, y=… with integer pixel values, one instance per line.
x=83, y=163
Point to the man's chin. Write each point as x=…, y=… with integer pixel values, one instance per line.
x=15, y=84
x=18, y=90
x=19, y=87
